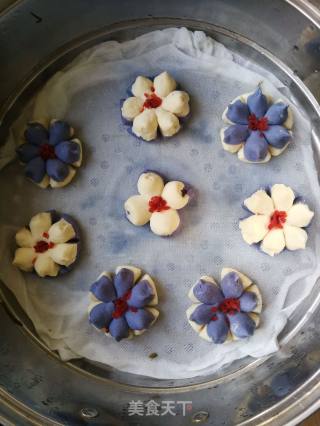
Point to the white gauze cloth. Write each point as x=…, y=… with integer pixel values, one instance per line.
x=87, y=93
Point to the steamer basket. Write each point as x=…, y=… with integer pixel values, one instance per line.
x=37, y=38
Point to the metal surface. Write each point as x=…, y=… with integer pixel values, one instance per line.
x=35, y=386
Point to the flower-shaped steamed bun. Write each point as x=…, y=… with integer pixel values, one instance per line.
x=51, y=156
x=258, y=127
x=155, y=105
x=49, y=245
x=158, y=203
x=231, y=311
x=277, y=220
x=122, y=305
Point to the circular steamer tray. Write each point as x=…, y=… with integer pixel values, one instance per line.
x=36, y=387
